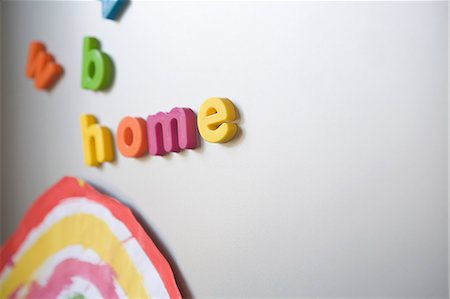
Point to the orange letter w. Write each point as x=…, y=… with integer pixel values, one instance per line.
x=41, y=66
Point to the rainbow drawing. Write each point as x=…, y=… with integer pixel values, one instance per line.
x=75, y=243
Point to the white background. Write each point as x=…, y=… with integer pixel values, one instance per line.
x=337, y=182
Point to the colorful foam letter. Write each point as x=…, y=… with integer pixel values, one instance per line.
x=97, y=67
x=97, y=141
x=132, y=137
x=111, y=8
x=215, y=118
x=41, y=66
x=171, y=132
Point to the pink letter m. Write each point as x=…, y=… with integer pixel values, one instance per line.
x=171, y=132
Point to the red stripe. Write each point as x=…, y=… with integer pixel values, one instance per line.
x=69, y=187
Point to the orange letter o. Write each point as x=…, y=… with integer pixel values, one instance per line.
x=132, y=137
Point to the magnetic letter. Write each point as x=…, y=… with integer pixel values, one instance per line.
x=97, y=141
x=132, y=137
x=97, y=67
x=41, y=66
x=111, y=8
x=215, y=118
x=171, y=132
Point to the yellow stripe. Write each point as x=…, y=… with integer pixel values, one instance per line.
x=80, y=229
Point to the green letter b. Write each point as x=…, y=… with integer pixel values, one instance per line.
x=97, y=67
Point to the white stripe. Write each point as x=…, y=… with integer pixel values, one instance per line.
x=82, y=287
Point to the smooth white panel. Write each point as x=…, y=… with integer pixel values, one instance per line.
x=337, y=184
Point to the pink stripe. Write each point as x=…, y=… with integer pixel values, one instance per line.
x=102, y=276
